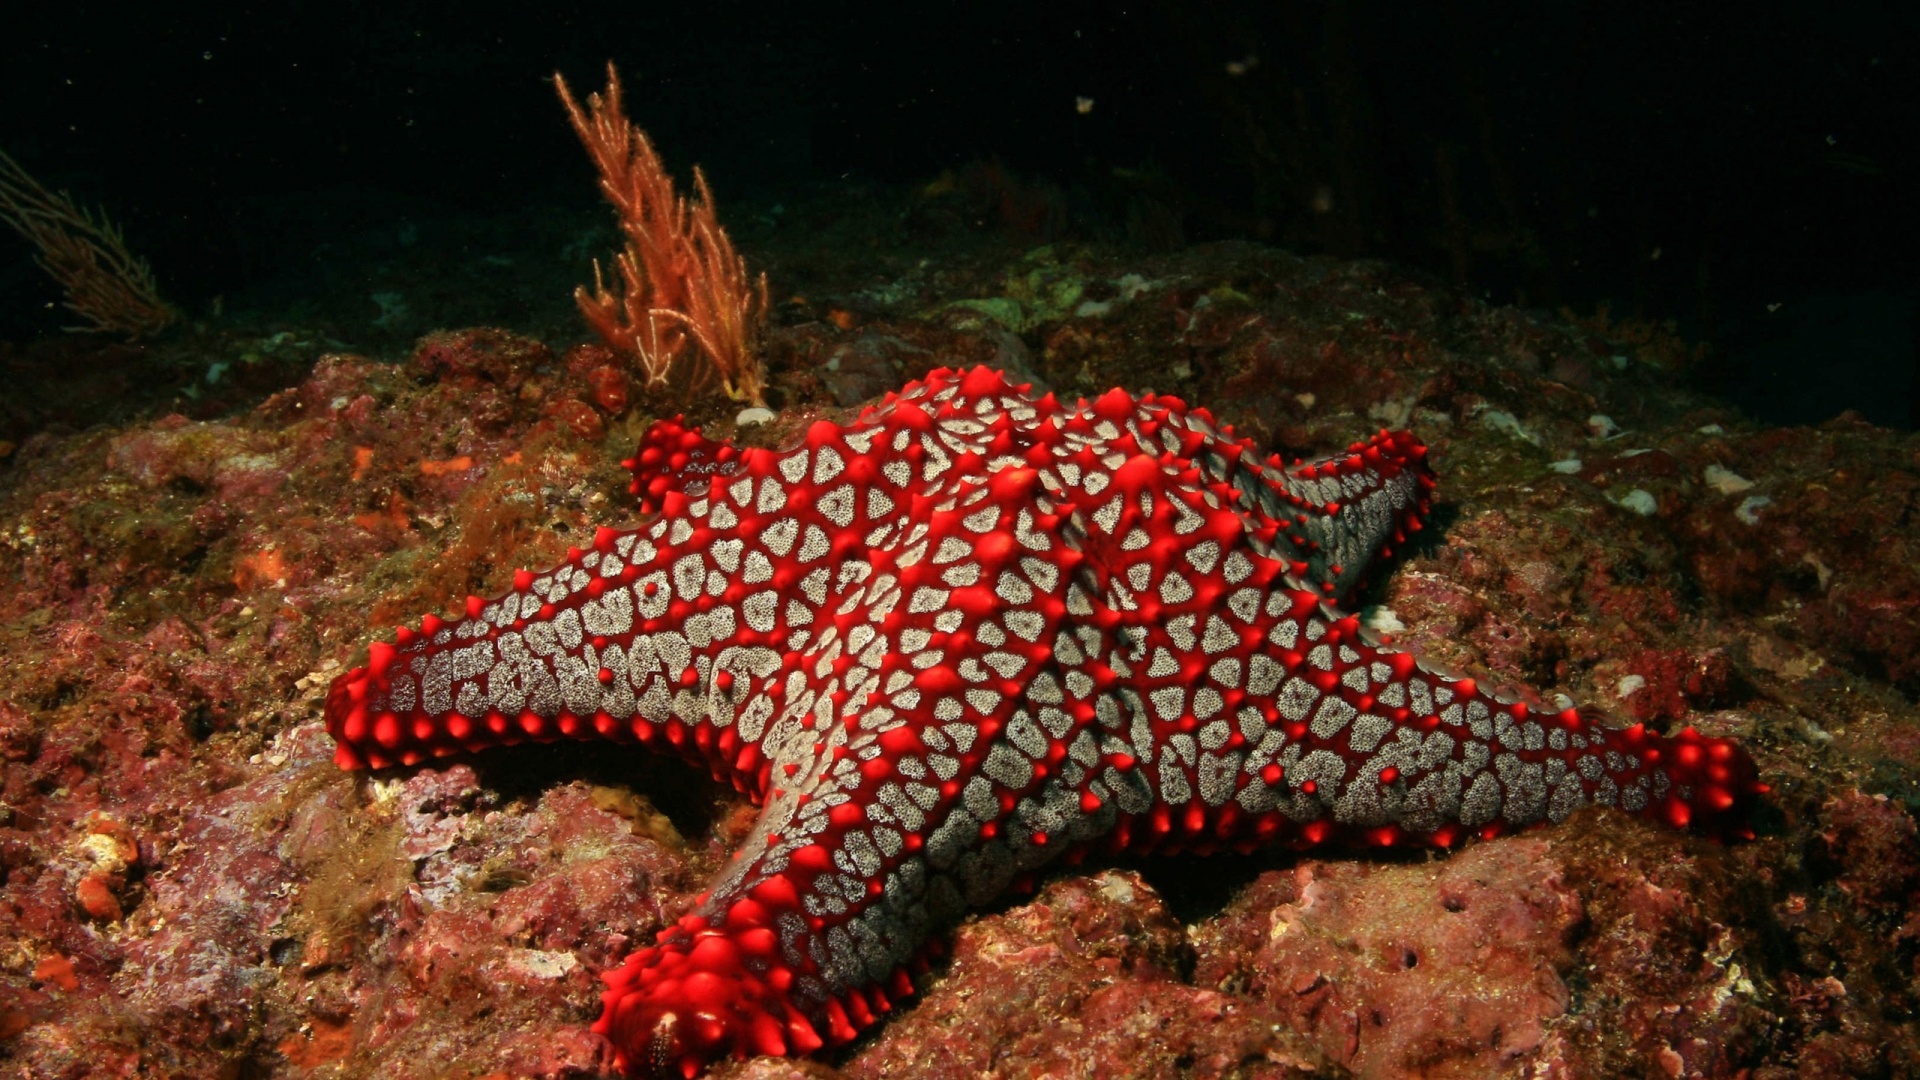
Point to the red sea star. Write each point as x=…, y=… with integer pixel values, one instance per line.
x=966, y=635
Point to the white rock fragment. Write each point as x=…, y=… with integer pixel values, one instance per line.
x=1393, y=414
x=1725, y=480
x=1627, y=685
x=1640, y=501
x=1749, y=509
x=1508, y=424
x=1821, y=570
x=542, y=963
x=1602, y=426
x=1566, y=466
x=1381, y=620
x=755, y=415
x=104, y=851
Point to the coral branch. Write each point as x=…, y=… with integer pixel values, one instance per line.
x=680, y=280
x=105, y=284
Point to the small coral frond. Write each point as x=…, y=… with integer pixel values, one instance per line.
x=680, y=279
x=105, y=284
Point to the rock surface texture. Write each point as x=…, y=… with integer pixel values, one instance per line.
x=190, y=886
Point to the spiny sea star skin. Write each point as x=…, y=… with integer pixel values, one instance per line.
x=966, y=635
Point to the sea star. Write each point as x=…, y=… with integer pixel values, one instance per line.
x=970, y=633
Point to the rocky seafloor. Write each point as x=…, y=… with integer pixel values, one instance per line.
x=190, y=888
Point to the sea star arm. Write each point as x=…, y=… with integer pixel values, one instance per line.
x=624, y=641
x=680, y=634
x=1259, y=711
x=914, y=782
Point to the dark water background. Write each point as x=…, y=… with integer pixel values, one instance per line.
x=1747, y=171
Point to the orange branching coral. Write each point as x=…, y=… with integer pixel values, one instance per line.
x=106, y=284
x=680, y=280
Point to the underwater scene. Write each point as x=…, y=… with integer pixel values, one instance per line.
x=1303, y=539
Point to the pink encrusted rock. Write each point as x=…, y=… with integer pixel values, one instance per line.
x=1449, y=968
x=1082, y=981
x=1820, y=537
x=1500, y=596
x=18, y=740
x=1665, y=963
x=480, y=355
x=338, y=381
x=563, y=1052
x=770, y=1068
x=1673, y=682
x=550, y=913
x=867, y=366
x=1870, y=838
x=204, y=969
x=433, y=803
x=493, y=931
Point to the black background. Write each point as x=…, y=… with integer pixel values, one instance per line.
x=1747, y=170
